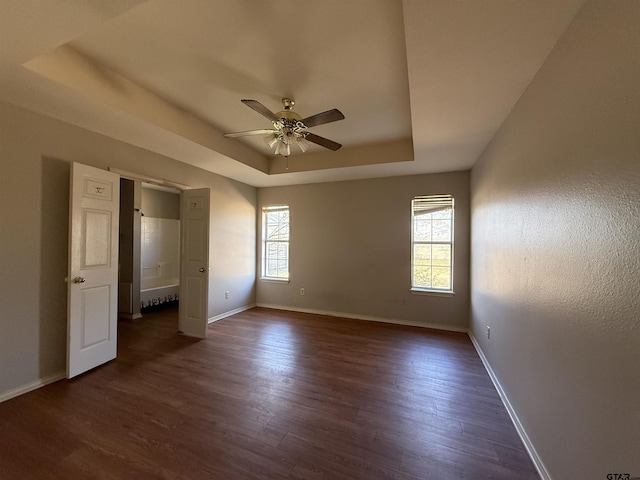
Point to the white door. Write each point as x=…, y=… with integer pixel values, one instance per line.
x=93, y=268
x=194, y=269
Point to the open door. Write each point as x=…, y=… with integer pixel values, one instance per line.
x=92, y=320
x=194, y=255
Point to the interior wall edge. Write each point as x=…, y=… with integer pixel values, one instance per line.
x=522, y=433
x=230, y=313
x=29, y=387
x=368, y=318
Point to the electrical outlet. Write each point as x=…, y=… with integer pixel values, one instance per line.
x=226, y=295
x=302, y=291
x=488, y=331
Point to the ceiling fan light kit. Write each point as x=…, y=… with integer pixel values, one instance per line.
x=289, y=128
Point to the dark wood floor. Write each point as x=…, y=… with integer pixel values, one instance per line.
x=269, y=395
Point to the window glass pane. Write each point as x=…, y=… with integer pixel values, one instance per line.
x=272, y=249
x=281, y=216
x=441, y=255
x=283, y=250
x=422, y=228
x=277, y=232
x=441, y=277
x=272, y=231
x=422, y=276
x=441, y=230
x=272, y=268
x=442, y=214
x=283, y=269
x=422, y=254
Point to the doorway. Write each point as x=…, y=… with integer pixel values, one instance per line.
x=159, y=246
x=149, y=255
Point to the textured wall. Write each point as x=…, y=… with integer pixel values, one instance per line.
x=159, y=238
x=556, y=249
x=160, y=252
x=351, y=249
x=160, y=204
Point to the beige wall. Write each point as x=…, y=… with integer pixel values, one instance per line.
x=351, y=248
x=556, y=249
x=35, y=154
x=160, y=204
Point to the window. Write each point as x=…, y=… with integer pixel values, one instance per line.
x=275, y=242
x=432, y=244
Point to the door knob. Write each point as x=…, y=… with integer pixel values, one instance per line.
x=201, y=269
x=79, y=280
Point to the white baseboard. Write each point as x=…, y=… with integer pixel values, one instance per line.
x=230, y=312
x=535, y=458
x=31, y=386
x=369, y=318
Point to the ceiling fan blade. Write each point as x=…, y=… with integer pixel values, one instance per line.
x=249, y=132
x=321, y=118
x=261, y=109
x=323, y=142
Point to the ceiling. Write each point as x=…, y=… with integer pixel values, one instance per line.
x=424, y=84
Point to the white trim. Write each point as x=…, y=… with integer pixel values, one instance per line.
x=32, y=386
x=144, y=178
x=230, y=312
x=433, y=293
x=369, y=318
x=528, y=445
x=162, y=188
x=282, y=281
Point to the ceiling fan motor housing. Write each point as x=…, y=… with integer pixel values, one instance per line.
x=290, y=127
x=287, y=113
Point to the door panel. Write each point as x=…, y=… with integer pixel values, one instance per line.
x=93, y=268
x=96, y=247
x=194, y=286
x=95, y=317
x=194, y=272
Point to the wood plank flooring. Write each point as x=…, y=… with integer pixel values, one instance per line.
x=269, y=395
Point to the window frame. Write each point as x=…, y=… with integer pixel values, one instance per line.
x=266, y=210
x=436, y=201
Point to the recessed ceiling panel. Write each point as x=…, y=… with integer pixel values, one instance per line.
x=206, y=55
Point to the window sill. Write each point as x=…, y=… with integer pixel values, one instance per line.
x=432, y=293
x=274, y=280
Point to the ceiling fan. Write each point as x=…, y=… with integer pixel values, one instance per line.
x=289, y=128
